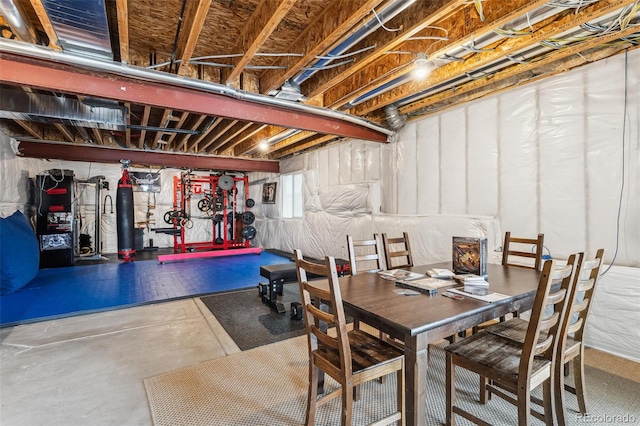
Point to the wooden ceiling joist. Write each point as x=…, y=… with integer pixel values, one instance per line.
x=231, y=134
x=123, y=29
x=477, y=60
x=30, y=128
x=178, y=125
x=181, y=145
x=144, y=123
x=305, y=145
x=337, y=20
x=263, y=22
x=194, y=24
x=38, y=7
x=460, y=27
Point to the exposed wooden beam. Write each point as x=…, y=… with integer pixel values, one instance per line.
x=306, y=145
x=164, y=123
x=229, y=147
x=477, y=60
x=178, y=125
x=102, y=154
x=232, y=133
x=460, y=27
x=123, y=29
x=65, y=132
x=265, y=133
x=38, y=7
x=257, y=30
x=410, y=23
x=98, y=135
x=292, y=140
x=195, y=145
x=555, y=62
x=144, y=122
x=223, y=129
x=29, y=127
x=337, y=20
x=17, y=69
x=182, y=144
x=185, y=48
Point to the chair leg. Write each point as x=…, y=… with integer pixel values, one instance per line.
x=578, y=375
x=347, y=405
x=524, y=406
x=451, y=390
x=558, y=387
x=312, y=395
x=484, y=393
x=400, y=396
x=548, y=400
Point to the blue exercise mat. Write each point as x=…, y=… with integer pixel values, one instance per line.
x=73, y=290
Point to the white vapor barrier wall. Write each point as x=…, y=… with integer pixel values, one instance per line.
x=547, y=158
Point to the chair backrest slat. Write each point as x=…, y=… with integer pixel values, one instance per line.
x=364, y=255
x=580, y=300
x=397, y=257
x=509, y=253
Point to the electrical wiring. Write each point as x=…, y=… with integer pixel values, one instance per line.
x=382, y=23
x=479, y=9
x=623, y=168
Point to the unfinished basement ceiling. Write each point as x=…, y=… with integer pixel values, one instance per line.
x=268, y=79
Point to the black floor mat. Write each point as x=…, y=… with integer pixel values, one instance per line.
x=249, y=322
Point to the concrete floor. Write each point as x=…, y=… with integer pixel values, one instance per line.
x=89, y=369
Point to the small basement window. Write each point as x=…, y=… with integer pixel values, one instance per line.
x=292, y=197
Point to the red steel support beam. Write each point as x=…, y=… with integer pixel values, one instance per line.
x=102, y=154
x=19, y=70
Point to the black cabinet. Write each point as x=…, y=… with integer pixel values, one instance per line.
x=54, y=218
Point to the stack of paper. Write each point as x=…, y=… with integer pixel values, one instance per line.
x=399, y=275
x=472, y=280
x=440, y=273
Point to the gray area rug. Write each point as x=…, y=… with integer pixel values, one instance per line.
x=251, y=323
x=268, y=386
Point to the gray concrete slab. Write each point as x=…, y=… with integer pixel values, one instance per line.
x=89, y=369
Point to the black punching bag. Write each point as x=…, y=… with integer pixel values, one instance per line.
x=124, y=215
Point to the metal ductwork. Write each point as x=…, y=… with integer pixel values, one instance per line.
x=15, y=16
x=394, y=119
x=21, y=105
x=81, y=26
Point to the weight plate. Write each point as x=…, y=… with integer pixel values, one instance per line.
x=168, y=217
x=250, y=202
x=219, y=240
x=248, y=218
x=204, y=205
x=248, y=232
x=225, y=182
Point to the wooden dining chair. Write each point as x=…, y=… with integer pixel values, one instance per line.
x=571, y=346
x=351, y=358
x=514, y=254
x=397, y=257
x=364, y=255
x=511, y=366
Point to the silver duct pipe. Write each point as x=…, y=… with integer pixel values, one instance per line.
x=15, y=16
x=394, y=119
x=46, y=54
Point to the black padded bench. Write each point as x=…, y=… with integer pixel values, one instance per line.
x=282, y=273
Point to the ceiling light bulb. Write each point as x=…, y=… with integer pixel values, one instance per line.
x=421, y=66
x=263, y=145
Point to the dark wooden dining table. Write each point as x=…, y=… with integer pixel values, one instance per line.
x=422, y=319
